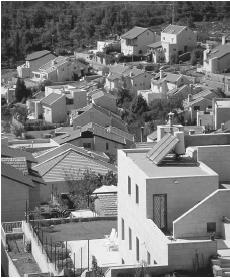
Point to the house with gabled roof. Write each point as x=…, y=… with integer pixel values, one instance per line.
x=67, y=163
x=96, y=114
x=135, y=41
x=23, y=161
x=197, y=102
x=33, y=62
x=95, y=137
x=61, y=69
x=175, y=40
x=130, y=78
x=217, y=60
x=54, y=108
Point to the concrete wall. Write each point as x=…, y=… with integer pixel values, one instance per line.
x=217, y=158
x=207, y=139
x=59, y=110
x=222, y=115
x=100, y=145
x=132, y=270
x=212, y=209
x=14, y=196
x=182, y=193
x=36, y=250
x=191, y=255
x=134, y=216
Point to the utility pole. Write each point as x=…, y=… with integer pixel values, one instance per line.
x=173, y=12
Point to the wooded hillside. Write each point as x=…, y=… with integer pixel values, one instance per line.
x=64, y=26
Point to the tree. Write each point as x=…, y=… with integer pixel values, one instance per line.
x=20, y=91
x=20, y=113
x=139, y=105
x=81, y=189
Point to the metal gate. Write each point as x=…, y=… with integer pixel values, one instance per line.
x=160, y=210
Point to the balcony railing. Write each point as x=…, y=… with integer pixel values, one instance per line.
x=12, y=227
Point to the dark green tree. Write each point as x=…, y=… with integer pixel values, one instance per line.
x=20, y=90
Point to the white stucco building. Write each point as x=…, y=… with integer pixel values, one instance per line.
x=158, y=194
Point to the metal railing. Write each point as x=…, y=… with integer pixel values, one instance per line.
x=9, y=227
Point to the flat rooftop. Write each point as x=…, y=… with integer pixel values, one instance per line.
x=185, y=166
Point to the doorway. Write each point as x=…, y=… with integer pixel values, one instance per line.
x=160, y=210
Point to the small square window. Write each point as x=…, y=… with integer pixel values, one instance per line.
x=211, y=227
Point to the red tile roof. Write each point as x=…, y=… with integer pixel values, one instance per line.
x=17, y=162
x=11, y=152
x=134, y=32
x=51, y=98
x=37, y=55
x=12, y=173
x=173, y=29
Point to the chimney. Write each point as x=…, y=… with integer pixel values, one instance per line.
x=223, y=40
x=170, y=121
x=142, y=134
x=189, y=97
x=180, y=146
x=161, y=74
x=222, y=126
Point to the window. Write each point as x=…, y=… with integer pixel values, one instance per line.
x=107, y=146
x=122, y=229
x=137, y=194
x=148, y=258
x=163, y=38
x=137, y=249
x=172, y=40
x=129, y=185
x=196, y=108
x=87, y=145
x=69, y=101
x=130, y=239
x=211, y=227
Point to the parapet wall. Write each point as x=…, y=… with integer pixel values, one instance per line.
x=207, y=139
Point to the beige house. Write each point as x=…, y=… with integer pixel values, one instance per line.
x=217, y=60
x=176, y=40
x=98, y=115
x=197, y=102
x=135, y=41
x=95, y=137
x=132, y=79
x=167, y=84
x=61, y=69
x=33, y=62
